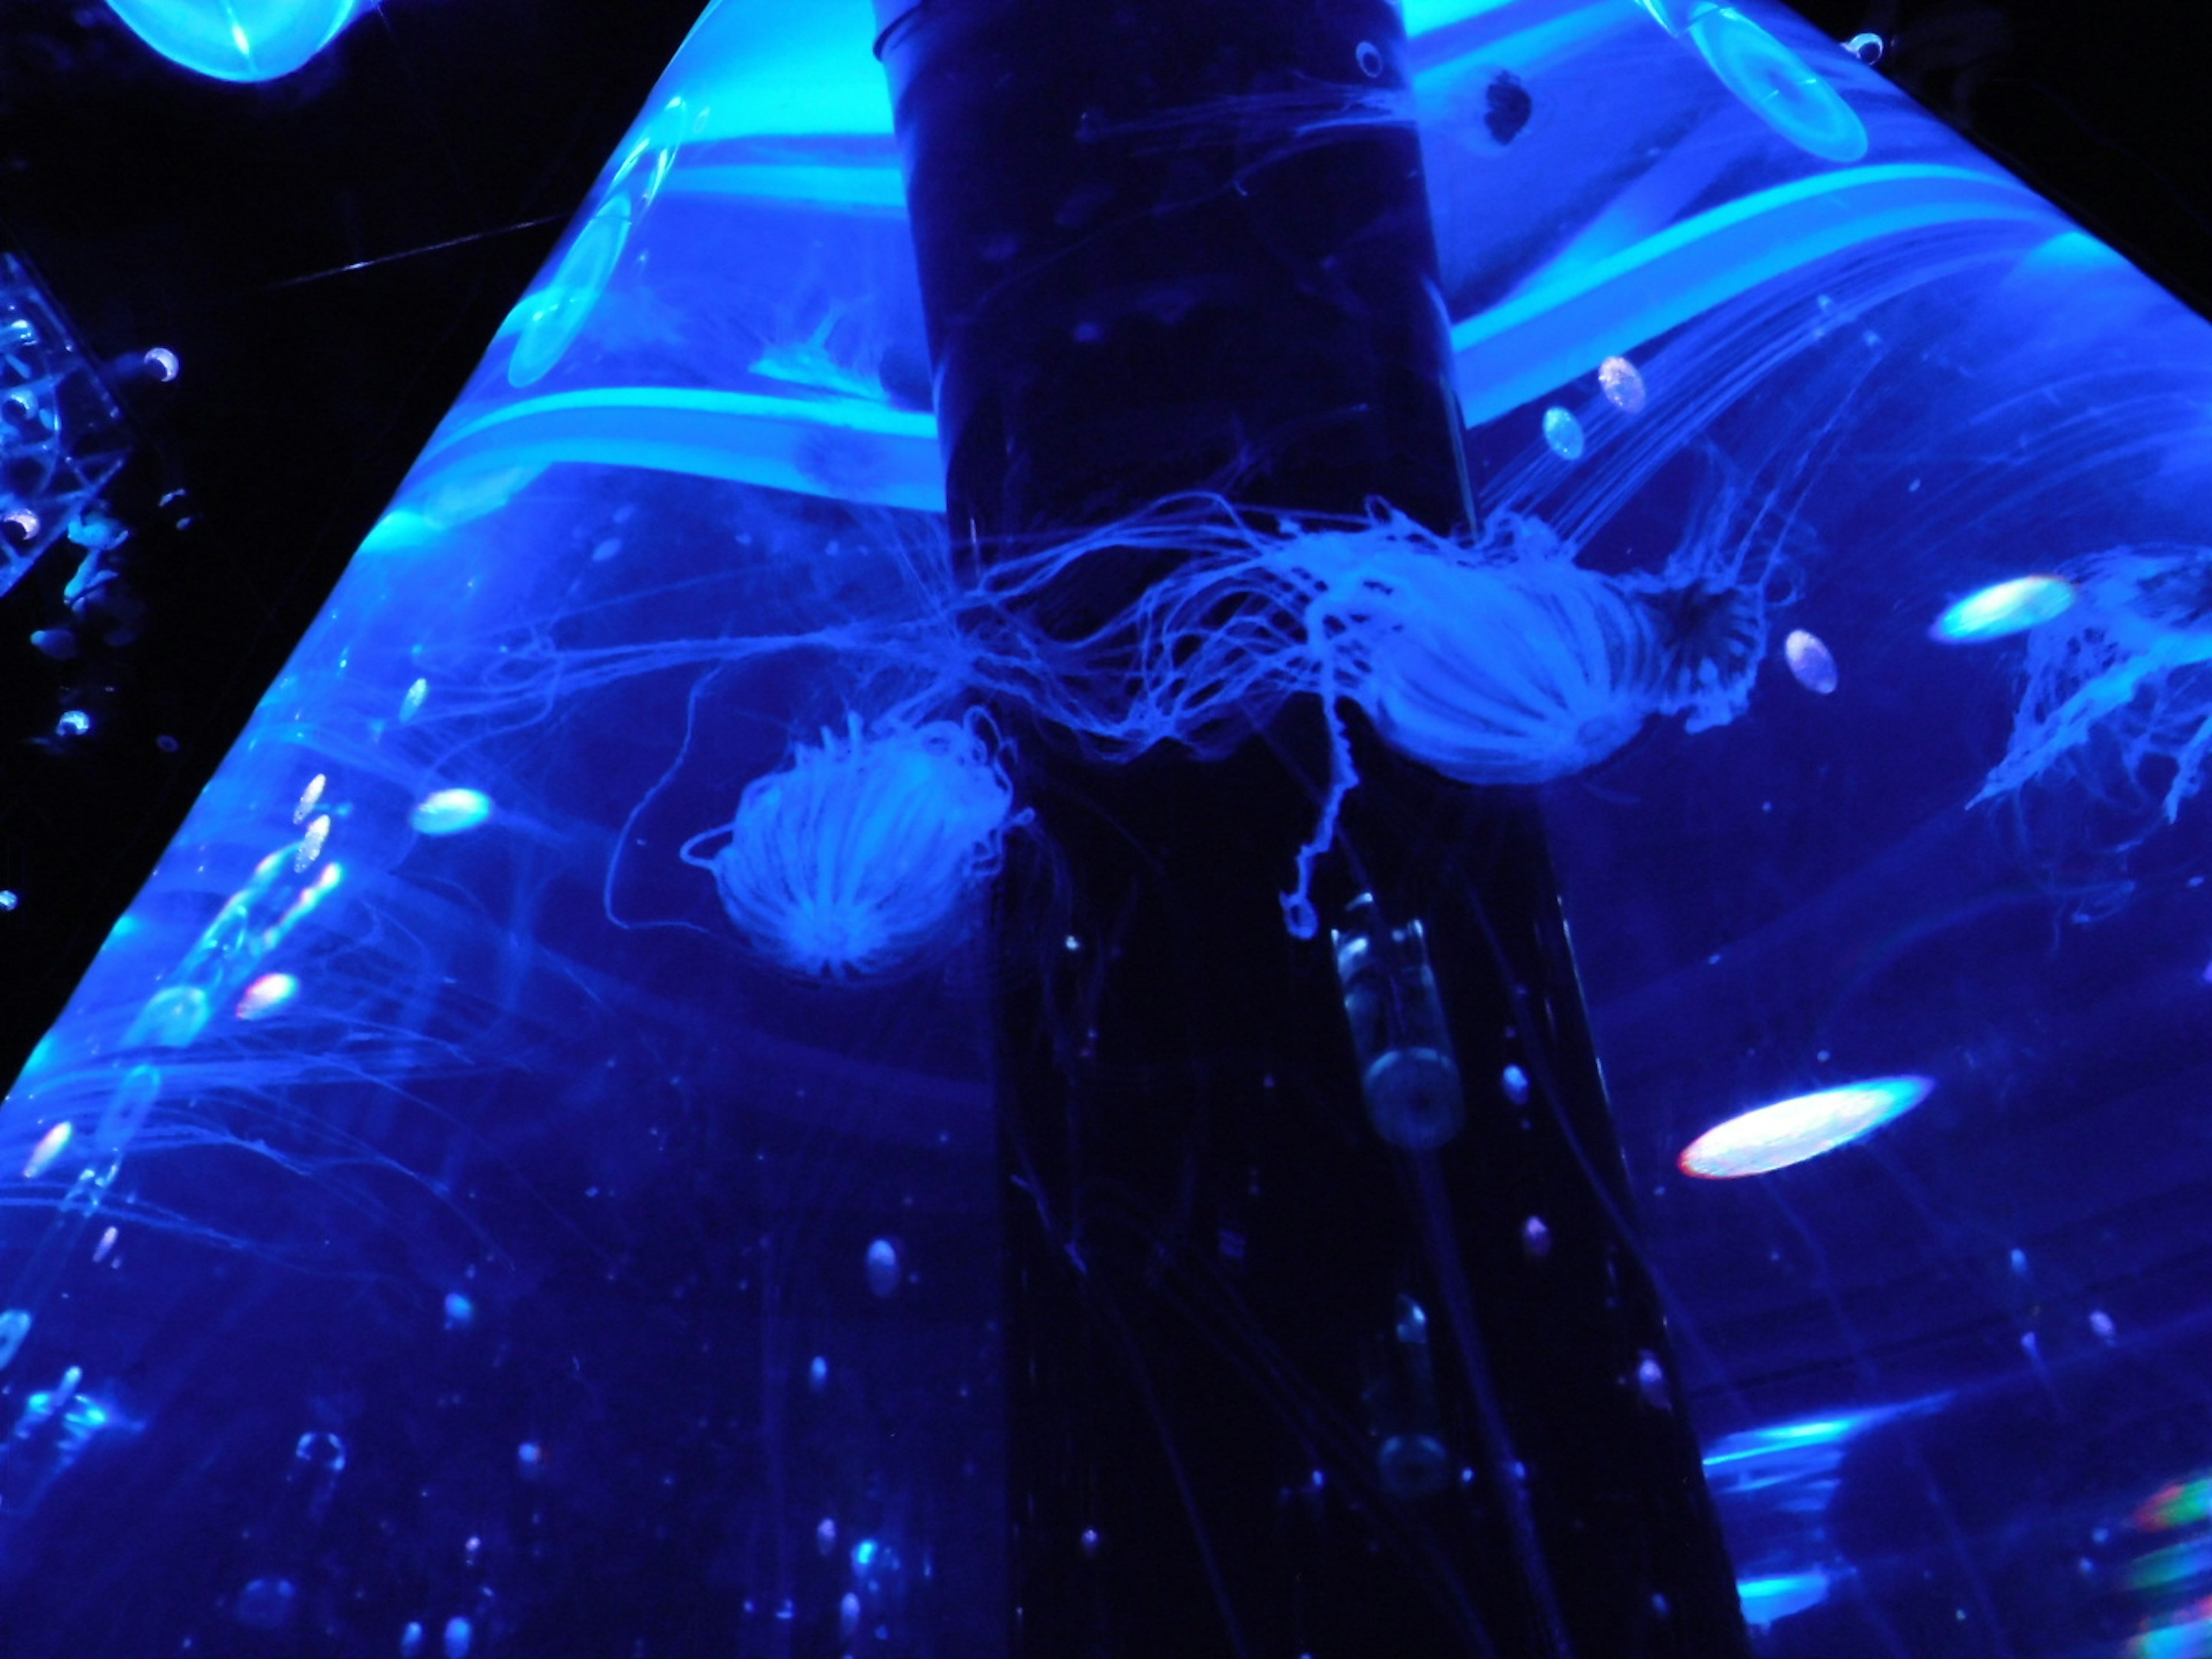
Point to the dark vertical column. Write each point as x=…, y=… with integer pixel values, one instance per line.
x=1324, y=1333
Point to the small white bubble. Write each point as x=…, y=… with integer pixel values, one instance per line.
x=883, y=1268
x=1514, y=1082
x=825, y=1536
x=2101, y=1323
x=1536, y=1238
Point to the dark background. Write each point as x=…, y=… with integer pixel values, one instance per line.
x=328, y=254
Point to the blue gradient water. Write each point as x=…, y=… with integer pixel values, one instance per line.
x=584, y=935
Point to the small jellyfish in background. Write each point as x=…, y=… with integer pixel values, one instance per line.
x=856, y=858
x=1563, y=432
x=1811, y=663
x=1867, y=47
x=2117, y=685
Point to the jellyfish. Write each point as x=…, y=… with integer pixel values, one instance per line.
x=1501, y=662
x=855, y=860
x=237, y=40
x=2118, y=683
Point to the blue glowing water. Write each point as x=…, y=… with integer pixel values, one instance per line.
x=554, y=1064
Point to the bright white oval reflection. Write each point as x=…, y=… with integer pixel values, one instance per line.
x=1791, y=1131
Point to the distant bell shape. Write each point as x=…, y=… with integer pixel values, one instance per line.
x=237, y=40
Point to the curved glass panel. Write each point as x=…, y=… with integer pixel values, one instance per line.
x=527, y=1160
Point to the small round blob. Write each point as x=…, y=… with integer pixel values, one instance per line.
x=265, y=1604
x=2003, y=608
x=1791, y=1131
x=883, y=1268
x=1623, y=385
x=1867, y=47
x=1414, y=1465
x=1811, y=663
x=1563, y=432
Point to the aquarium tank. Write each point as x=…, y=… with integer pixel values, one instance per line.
x=1296, y=829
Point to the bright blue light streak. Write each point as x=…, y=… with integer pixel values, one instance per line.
x=871, y=189
x=1766, y=1600
x=845, y=448
x=2007, y=607
x=1792, y=1131
x=1559, y=328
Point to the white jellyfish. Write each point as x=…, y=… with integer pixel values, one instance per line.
x=857, y=857
x=2118, y=681
x=1501, y=662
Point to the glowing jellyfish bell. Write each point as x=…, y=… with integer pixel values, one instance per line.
x=1778, y=85
x=855, y=858
x=2006, y=607
x=1792, y=1131
x=237, y=40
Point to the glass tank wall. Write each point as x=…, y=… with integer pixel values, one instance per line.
x=538, y=1169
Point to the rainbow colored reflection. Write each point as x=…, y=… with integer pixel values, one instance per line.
x=1791, y=1131
x=2178, y=1503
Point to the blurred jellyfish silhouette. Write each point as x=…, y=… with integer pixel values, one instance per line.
x=855, y=858
x=2117, y=685
x=1504, y=661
